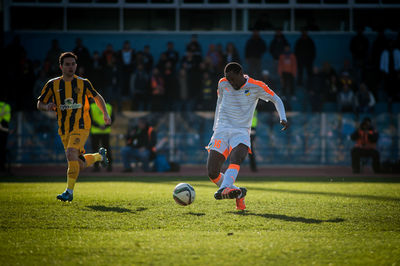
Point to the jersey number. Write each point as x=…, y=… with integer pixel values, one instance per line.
x=217, y=143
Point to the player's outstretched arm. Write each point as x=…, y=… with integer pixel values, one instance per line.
x=46, y=107
x=281, y=111
x=102, y=105
x=285, y=125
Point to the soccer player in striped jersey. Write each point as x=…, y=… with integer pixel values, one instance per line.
x=238, y=95
x=68, y=95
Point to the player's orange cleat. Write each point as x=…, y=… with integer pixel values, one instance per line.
x=227, y=193
x=240, y=205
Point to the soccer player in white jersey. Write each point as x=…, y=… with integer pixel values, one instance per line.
x=238, y=95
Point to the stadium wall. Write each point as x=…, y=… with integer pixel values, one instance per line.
x=313, y=138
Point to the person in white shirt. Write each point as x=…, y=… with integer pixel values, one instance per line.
x=238, y=95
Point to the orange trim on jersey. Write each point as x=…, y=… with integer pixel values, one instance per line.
x=222, y=80
x=215, y=181
x=250, y=152
x=227, y=152
x=262, y=85
x=234, y=166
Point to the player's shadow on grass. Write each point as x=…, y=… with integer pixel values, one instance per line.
x=196, y=213
x=323, y=193
x=289, y=218
x=114, y=209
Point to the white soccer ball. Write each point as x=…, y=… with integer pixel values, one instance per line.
x=184, y=194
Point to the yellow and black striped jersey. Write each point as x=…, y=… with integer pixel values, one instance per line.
x=71, y=98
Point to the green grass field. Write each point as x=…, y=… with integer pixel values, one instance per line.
x=135, y=221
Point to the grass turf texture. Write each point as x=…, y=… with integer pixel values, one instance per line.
x=114, y=221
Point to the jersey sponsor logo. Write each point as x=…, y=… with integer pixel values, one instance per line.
x=247, y=92
x=69, y=104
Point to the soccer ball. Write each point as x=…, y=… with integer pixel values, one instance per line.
x=184, y=194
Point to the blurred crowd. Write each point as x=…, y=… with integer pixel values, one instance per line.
x=184, y=81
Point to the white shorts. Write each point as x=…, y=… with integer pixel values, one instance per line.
x=224, y=140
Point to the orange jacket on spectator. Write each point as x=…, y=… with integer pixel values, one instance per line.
x=287, y=63
x=365, y=136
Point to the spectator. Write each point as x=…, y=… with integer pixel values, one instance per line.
x=191, y=65
x=126, y=60
x=185, y=102
x=171, y=54
x=83, y=54
x=345, y=99
x=277, y=48
x=359, y=46
x=140, y=88
x=380, y=43
x=254, y=51
x=329, y=86
x=140, y=146
x=145, y=58
x=214, y=55
x=157, y=91
x=112, y=82
x=162, y=61
x=347, y=69
x=195, y=48
x=171, y=86
x=314, y=87
x=96, y=72
x=208, y=92
x=305, y=52
x=332, y=89
x=366, y=138
x=365, y=100
x=287, y=69
x=221, y=65
x=100, y=132
x=40, y=81
x=390, y=68
x=231, y=54
x=109, y=55
x=397, y=41
x=346, y=79
x=52, y=59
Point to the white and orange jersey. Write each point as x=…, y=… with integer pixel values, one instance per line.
x=235, y=108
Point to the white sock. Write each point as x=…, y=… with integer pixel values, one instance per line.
x=230, y=175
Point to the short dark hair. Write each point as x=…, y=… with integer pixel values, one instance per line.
x=66, y=55
x=233, y=67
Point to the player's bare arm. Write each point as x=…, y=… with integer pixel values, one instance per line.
x=102, y=105
x=46, y=107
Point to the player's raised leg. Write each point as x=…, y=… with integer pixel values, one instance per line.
x=91, y=158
